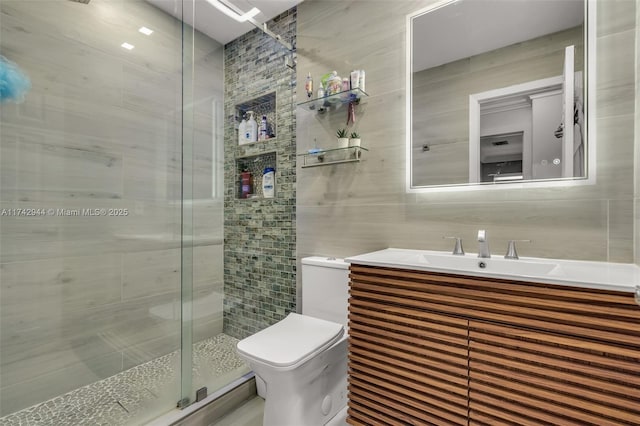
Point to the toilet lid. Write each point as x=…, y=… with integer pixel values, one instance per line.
x=294, y=339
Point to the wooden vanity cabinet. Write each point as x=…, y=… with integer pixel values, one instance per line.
x=439, y=349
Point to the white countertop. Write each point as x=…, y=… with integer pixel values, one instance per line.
x=575, y=273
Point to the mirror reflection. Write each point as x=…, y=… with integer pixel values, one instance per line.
x=497, y=92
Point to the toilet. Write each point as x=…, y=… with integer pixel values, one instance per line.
x=300, y=362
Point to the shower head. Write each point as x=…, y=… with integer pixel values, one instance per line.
x=81, y=1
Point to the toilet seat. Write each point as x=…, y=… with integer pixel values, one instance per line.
x=291, y=342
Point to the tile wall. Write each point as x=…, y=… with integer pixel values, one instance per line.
x=260, y=234
x=354, y=208
x=637, y=142
x=85, y=297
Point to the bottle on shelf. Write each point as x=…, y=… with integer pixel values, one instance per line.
x=242, y=137
x=264, y=132
x=308, y=86
x=355, y=79
x=345, y=88
x=246, y=184
x=268, y=182
x=251, y=129
x=334, y=84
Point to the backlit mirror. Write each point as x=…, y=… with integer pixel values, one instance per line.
x=497, y=94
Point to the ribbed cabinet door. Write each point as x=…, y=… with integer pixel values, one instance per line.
x=521, y=376
x=429, y=348
x=407, y=365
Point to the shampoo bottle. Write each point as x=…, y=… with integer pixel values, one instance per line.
x=263, y=129
x=251, y=129
x=268, y=182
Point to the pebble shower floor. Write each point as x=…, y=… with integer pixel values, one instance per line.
x=120, y=399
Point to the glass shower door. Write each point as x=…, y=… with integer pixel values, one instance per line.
x=91, y=243
x=211, y=361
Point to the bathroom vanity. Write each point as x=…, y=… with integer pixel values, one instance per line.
x=472, y=345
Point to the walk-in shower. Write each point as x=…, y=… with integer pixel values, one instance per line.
x=112, y=213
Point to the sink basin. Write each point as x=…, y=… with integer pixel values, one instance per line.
x=576, y=273
x=523, y=267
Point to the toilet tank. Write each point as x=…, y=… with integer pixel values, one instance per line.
x=325, y=288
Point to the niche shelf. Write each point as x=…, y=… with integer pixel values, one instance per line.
x=254, y=164
x=322, y=105
x=261, y=105
x=327, y=157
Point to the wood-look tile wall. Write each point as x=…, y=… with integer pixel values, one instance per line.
x=354, y=208
x=83, y=298
x=637, y=141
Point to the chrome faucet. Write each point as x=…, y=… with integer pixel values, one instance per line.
x=483, y=246
x=511, y=249
x=457, y=249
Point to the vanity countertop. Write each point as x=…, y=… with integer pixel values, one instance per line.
x=576, y=273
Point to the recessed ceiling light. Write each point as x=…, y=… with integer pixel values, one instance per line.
x=127, y=45
x=146, y=31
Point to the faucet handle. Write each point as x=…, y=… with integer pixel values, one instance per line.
x=457, y=250
x=511, y=249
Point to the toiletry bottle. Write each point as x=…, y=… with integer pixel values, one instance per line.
x=319, y=103
x=355, y=79
x=242, y=139
x=334, y=85
x=245, y=183
x=308, y=86
x=345, y=88
x=263, y=129
x=361, y=81
x=268, y=182
x=251, y=129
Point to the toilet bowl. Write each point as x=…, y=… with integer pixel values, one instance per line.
x=302, y=359
x=304, y=369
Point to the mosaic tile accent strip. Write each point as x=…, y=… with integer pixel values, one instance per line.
x=260, y=238
x=123, y=399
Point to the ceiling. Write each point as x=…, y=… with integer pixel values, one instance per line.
x=217, y=25
x=469, y=27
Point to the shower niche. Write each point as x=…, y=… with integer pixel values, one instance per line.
x=251, y=158
x=249, y=171
x=261, y=106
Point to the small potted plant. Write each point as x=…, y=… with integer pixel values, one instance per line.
x=343, y=139
x=354, y=139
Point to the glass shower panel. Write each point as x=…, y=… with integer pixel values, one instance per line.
x=90, y=211
x=214, y=360
x=186, y=216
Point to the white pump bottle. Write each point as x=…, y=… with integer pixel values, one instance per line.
x=251, y=129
